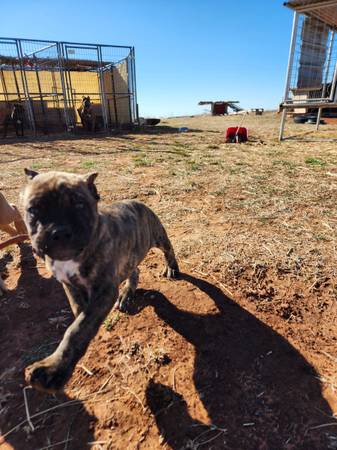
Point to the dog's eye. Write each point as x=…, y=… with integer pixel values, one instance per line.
x=79, y=205
x=32, y=211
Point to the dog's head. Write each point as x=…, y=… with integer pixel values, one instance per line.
x=86, y=102
x=60, y=212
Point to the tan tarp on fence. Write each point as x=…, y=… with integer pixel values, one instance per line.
x=45, y=90
x=117, y=82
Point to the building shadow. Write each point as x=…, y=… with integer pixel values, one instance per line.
x=26, y=335
x=252, y=382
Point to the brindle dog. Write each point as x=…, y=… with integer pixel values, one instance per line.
x=87, y=114
x=15, y=116
x=91, y=252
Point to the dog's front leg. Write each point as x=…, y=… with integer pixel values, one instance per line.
x=78, y=299
x=51, y=373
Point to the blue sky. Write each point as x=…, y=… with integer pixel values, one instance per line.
x=186, y=51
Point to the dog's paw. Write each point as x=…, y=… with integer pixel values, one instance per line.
x=172, y=273
x=45, y=377
x=124, y=301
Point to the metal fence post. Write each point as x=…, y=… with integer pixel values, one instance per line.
x=291, y=57
x=30, y=110
x=102, y=88
x=289, y=73
x=128, y=64
x=134, y=88
x=66, y=106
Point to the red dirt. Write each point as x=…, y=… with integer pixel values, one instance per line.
x=191, y=365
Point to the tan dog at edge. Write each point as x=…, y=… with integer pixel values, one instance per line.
x=12, y=223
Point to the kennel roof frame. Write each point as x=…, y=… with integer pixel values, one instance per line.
x=73, y=64
x=324, y=10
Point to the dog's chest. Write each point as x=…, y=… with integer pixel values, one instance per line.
x=66, y=271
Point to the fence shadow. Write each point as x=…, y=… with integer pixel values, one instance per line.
x=251, y=381
x=100, y=135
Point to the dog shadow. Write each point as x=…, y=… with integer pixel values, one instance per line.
x=26, y=335
x=258, y=390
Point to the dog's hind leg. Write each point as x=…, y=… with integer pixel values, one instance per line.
x=128, y=292
x=8, y=229
x=18, y=221
x=172, y=269
x=20, y=227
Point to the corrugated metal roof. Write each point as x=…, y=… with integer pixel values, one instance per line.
x=324, y=10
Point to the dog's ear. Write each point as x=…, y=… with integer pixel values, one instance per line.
x=30, y=174
x=90, y=180
x=90, y=177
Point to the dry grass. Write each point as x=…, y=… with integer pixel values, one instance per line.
x=249, y=213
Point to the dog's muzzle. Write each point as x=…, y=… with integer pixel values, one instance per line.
x=61, y=235
x=58, y=243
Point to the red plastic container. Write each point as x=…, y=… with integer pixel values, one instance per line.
x=236, y=134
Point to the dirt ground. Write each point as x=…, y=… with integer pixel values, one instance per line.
x=238, y=354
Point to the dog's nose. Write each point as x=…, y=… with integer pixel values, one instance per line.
x=61, y=233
